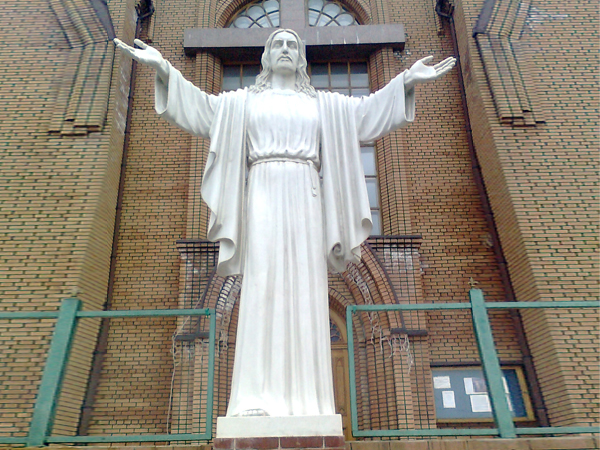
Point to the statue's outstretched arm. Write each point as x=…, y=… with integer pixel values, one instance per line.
x=146, y=54
x=394, y=105
x=420, y=72
x=176, y=99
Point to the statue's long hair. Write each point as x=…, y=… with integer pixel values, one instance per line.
x=263, y=80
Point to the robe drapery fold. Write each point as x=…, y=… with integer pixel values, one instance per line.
x=345, y=122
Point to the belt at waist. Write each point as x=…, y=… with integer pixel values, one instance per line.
x=314, y=174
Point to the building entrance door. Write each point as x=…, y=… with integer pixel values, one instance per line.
x=341, y=380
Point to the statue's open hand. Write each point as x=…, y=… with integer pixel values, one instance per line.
x=420, y=72
x=146, y=54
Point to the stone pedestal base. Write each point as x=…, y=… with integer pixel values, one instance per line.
x=281, y=443
x=250, y=427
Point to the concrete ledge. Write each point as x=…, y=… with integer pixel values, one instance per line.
x=587, y=442
x=287, y=426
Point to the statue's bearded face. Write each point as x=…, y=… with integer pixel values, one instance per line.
x=284, y=54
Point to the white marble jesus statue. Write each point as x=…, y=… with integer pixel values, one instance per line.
x=278, y=224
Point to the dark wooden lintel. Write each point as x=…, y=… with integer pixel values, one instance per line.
x=409, y=333
x=192, y=336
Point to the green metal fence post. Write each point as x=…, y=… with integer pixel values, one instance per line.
x=491, y=365
x=51, y=383
x=211, y=372
x=350, y=310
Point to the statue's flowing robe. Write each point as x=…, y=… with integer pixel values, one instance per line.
x=344, y=122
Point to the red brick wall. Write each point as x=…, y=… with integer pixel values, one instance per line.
x=542, y=181
x=58, y=201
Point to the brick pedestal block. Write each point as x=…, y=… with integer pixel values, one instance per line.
x=280, y=443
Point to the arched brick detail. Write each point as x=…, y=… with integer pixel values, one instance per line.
x=361, y=10
x=338, y=302
x=380, y=289
x=227, y=10
x=382, y=370
x=378, y=275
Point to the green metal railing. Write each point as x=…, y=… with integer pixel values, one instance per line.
x=67, y=316
x=505, y=427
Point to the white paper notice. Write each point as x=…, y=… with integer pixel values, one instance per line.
x=475, y=385
x=448, y=399
x=469, y=386
x=441, y=383
x=480, y=403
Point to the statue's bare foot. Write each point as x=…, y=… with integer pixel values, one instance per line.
x=254, y=413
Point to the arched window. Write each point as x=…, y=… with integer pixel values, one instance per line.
x=261, y=14
x=322, y=13
x=265, y=14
